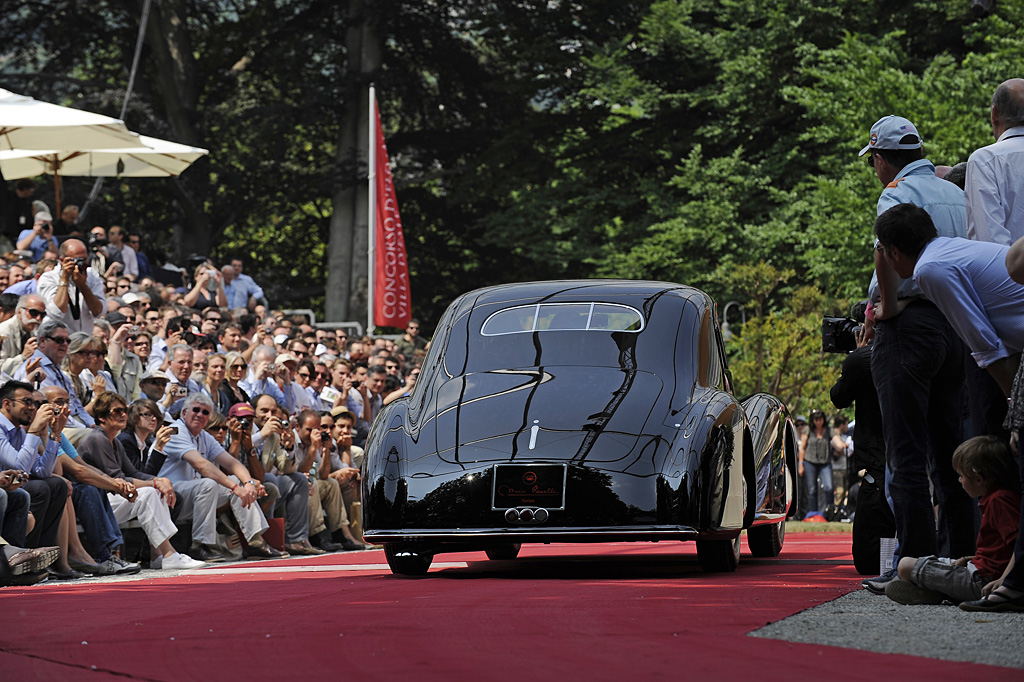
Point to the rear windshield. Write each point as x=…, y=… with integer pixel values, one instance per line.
x=549, y=317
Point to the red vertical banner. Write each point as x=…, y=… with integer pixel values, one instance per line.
x=392, y=300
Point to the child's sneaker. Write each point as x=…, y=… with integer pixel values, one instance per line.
x=903, y=592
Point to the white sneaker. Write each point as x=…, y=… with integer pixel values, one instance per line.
x=179, y=562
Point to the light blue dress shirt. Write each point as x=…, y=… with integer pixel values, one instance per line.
x=969, y=283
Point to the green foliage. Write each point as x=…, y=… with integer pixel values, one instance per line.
x=713, y=144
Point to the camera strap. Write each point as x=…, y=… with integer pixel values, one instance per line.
x=74, y=305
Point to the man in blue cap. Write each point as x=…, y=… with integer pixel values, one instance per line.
x=918, y=360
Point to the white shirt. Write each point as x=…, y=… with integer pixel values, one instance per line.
x=48, y=285
x=131, y=262
x=995, y=190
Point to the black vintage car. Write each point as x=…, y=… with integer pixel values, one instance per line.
x=578, y=411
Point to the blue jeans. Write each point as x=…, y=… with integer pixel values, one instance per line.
x=14, y=506
x=812, y=472
x=918, y=367
x=97, y=518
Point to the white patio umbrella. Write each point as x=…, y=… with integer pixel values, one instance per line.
x=158, y=158
x=27, y=123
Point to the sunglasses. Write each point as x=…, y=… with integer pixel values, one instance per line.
x=238, y=366
x=221, y=427
x=304, y=375
x=118, y=412
x=35, y=314
x=201, y=410
x=871, y=159
x=60, y=340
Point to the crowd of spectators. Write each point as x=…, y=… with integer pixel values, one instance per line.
x=221, y=427
x=941, y=349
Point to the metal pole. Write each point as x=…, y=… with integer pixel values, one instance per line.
x=371, y=222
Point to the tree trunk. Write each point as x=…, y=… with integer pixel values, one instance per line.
x=347, y=251
x=174, y=68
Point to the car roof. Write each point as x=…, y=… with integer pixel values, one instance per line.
x=611, y=290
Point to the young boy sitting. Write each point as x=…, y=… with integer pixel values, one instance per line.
x=987, y=471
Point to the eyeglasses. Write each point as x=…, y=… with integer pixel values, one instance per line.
x=238, y=366
x=35, y=314
x=147, y=415
x=304, y=375
x=60, y=340
x=92, y=353
x=59, y=402
x=323, y=375
x=221, y=427
x=118, y=412
x=28, y=402
x=201, y=410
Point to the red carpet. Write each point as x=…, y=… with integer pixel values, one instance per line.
x=565, y=612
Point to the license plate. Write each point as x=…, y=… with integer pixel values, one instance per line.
x=529, y=485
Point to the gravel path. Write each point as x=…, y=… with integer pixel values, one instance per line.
x=861, y=620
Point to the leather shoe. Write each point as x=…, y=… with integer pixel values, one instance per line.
x=23, y=579
x=263, y=551
x=61, y=575
x=353, y=545
x=877, y=585
x=995, y=602
x=303, y=549
x=83, y=567
x=205, y=553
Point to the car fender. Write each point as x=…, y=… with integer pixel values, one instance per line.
x=773, y=438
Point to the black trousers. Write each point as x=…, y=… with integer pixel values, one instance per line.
x=48, y=498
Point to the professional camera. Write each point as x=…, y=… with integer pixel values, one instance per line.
x=96, y=242
x=839, y=334
x=81, y=264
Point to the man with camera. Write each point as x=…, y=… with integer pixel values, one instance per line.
x=917, y=362
x=73, y=292
x=17, y=335
x=39, y=238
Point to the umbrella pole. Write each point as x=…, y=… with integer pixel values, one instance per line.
x=56, y=188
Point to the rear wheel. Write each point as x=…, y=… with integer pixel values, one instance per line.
x=503, y=552
x=719, y=556
x=406, y=560
x=767, y=541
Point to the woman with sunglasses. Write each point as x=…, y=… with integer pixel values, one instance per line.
x=235, y=370
x=156, y=496
x=82, y=349
x=145, y=436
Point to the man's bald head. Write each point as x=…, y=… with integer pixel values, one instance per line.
x=73, y=248
x=54, y=393
x=1008, y=105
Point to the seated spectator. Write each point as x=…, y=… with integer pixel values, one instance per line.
x=403, y=391
x=193, y=464
x=14, y=505
x=987, y=471
x=82, y=351
x=231, y=388
x=31, y=285
x=155, y=495
x=52, y=347
x=346, y=463
x=145, y=436
x=17, y=335
x=216, y=370
x=91, y=504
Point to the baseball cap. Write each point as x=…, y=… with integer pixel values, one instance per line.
x=115, y=319
x=241, y=410
x=131, y=297
x=286, y=357
x=154, y=375
x=340, y=410
x=887, y=133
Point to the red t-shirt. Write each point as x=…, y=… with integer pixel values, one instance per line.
x=1000, y=518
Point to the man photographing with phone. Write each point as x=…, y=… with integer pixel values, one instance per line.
x=73, y=292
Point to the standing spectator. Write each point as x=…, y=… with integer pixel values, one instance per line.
x=145, y=269
x=121, y=252
x=411, y=341
x=917, y=361
x=16, y=213
x=248, y=286
x=73, y=292
x=995, y=213
x=65, y=224
x=208, y=290
x=815, y=460
x=39, y=238
x=17, y=335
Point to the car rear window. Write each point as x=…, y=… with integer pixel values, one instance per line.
x=549, y=317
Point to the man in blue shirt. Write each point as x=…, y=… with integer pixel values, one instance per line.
x=917, y=361
x=967, y=280
x=53, y=338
